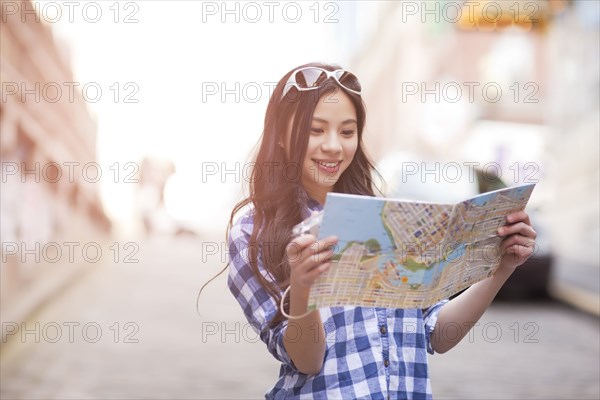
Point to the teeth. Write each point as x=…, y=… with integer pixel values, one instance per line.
x=329, y=164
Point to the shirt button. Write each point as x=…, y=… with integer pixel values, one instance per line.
x=383, y=329
x=386, y=362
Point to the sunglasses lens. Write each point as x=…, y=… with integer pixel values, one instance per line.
x=310, y=77
x=349, y=80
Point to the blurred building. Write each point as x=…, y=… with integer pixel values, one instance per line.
x=510, y=83
x=573, y=113
x=428, y=77
x=49, y=172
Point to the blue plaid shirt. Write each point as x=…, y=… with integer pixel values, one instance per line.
x=371, y=353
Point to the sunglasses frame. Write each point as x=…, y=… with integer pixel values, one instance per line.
x=330, y=74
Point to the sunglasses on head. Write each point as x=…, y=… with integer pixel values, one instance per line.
x=311, y=78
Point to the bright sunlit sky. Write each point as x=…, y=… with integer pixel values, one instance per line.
x=169, y=53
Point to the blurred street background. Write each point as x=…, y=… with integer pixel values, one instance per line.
x=126, y=132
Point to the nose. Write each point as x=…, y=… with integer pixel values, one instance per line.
x=331, y=142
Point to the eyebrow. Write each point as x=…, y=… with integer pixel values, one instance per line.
x=348, y=121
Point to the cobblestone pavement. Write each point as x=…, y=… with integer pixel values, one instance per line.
x=130, y=331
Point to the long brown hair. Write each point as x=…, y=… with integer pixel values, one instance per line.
x=274, y=190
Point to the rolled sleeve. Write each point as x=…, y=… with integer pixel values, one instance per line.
x=276, y=346
x=258, y=306
x=430, y=316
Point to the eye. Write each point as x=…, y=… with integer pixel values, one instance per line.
x=348, y=132
x=316, y=131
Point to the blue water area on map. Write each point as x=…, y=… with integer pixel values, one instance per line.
x=421, y=276
x=349, y=219
x=480, y=200
x=413, y=277
x=453, y=257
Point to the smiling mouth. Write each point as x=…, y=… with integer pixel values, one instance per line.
x=328, y=164
x=330, y=167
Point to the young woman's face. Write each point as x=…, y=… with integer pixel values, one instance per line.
x=332, y=144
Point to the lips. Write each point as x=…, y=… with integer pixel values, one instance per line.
x=329, y=166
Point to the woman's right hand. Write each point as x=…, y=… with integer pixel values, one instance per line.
x=308, y=258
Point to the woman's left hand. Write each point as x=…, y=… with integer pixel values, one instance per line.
x=519, y=241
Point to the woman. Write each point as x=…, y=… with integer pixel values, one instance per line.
x=312, y=145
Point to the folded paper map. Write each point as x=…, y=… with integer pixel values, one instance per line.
x=408, y=254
